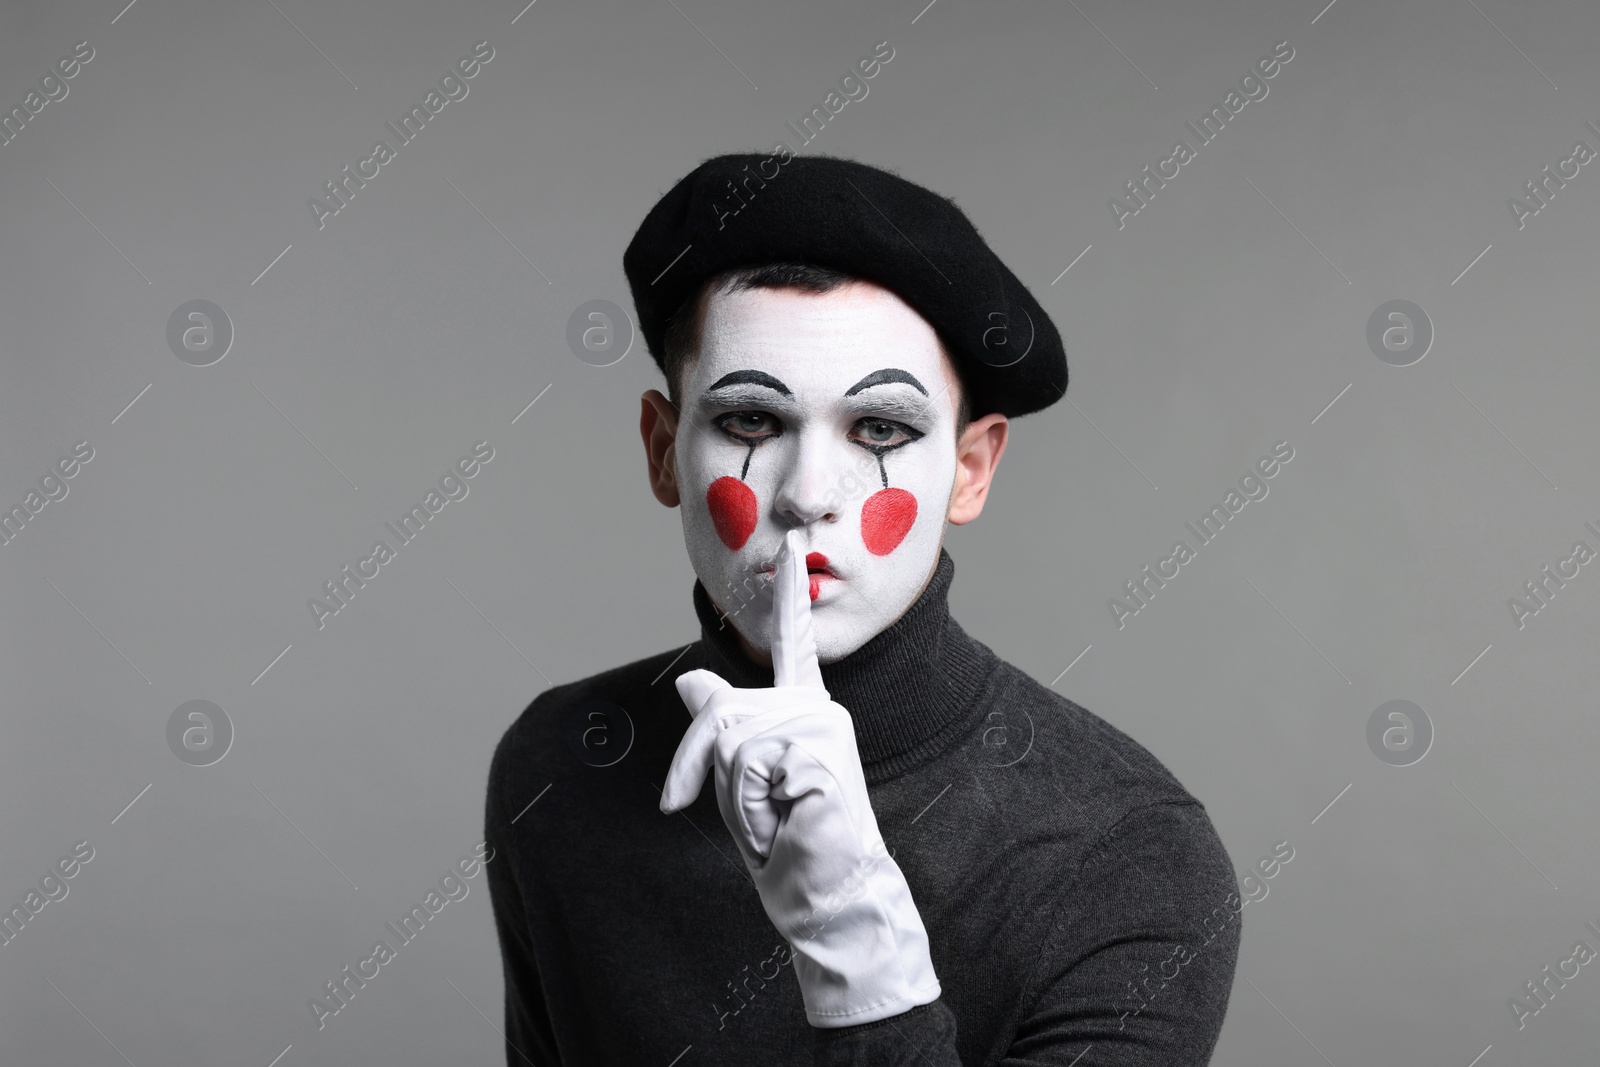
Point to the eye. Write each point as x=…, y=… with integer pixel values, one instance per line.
x=882, y=435
x=748, y=426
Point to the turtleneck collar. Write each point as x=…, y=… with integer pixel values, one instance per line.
x=909, y=689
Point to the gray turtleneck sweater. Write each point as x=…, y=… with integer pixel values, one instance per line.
x=1080, y=908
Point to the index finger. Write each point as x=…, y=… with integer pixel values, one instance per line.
x=794, y=645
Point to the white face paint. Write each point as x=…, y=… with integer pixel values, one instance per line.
x=828, y=412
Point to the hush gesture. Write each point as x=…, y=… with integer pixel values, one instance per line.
x=791, y=791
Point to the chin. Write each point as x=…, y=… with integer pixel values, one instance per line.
x=833, y=646
x=847, y=613
x=839, y=627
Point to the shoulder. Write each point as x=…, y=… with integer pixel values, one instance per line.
x=1147, y=845
x=1083, y=780
x=1100, y=756
x=633, y=690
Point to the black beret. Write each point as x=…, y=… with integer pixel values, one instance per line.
x=747, y=210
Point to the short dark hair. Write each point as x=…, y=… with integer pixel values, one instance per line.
x=680, y=342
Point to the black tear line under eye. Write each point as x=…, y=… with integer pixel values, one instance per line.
x=749, y=443
x=879, y=451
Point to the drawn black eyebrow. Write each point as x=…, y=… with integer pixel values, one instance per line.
x=883, y=377
x=750, y=377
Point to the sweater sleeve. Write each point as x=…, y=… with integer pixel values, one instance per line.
x=529, y=1036
x=1135, y=971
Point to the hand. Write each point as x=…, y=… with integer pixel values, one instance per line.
x=791, y=791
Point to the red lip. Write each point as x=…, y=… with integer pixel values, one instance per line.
x=816, y=567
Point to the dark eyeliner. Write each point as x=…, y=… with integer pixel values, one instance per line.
x=721, y=421
x=912, y=434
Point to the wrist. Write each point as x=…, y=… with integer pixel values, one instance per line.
x=863, y=955
x=833, y=1008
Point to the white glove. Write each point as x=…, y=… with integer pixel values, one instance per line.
x=791, y=791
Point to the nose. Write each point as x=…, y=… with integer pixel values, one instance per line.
x=808, y=490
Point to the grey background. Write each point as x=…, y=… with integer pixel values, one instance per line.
x=376, y=351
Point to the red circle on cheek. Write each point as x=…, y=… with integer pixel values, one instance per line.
x=886, y=518
x=733, y=510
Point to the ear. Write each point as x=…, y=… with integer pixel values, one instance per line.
x=658, y=428
x=977, y=455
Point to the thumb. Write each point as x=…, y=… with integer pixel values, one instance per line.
x=696, y=687
x=693, y=759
